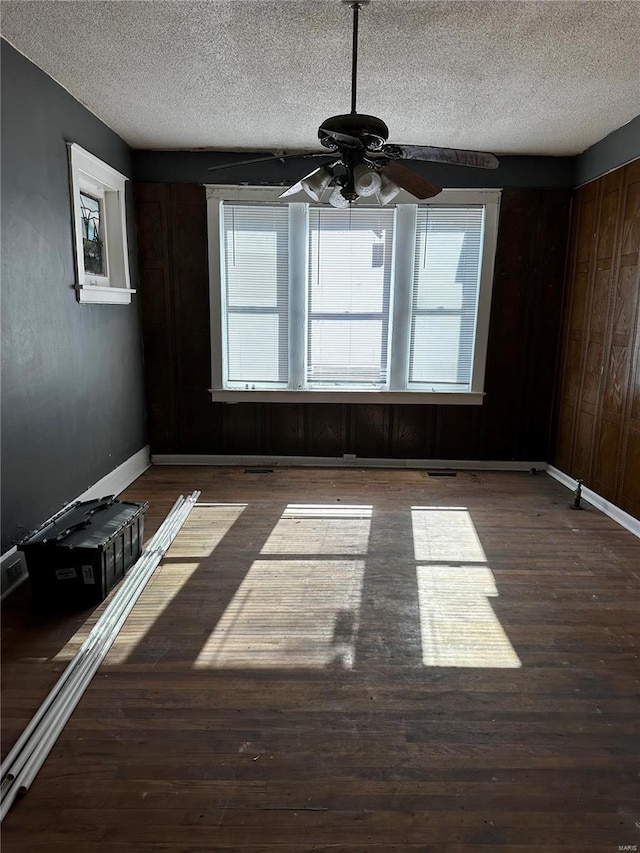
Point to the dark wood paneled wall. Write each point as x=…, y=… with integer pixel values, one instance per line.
x=598, y=410
x=513, y=423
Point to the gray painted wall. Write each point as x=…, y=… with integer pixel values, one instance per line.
x=72, y=393
x=620, y=147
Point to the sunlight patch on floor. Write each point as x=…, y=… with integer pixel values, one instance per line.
x=446, y=534
x=198, y=538
x=204, y=530
x=290, y=613
x=458, y=625
x=156, y=597
x=321, y=529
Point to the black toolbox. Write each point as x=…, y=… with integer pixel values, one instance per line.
x=83, y=551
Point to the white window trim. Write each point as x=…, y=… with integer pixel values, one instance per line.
x=475, y=397
x=91, y=174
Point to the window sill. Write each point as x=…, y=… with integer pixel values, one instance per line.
x=430, y=398
x=104, y=295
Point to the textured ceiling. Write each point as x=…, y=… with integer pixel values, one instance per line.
x=509, y=77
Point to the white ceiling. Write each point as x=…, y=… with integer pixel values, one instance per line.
x=509, y=77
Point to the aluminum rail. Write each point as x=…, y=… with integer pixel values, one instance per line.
x=32, y=748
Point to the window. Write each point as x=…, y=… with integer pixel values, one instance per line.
x=100, y=229
x=349, y=294
x=311, y=302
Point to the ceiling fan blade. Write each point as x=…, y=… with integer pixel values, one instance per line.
x=454, y=156
x=267, y=159
x=410, y=181
x=294, y=188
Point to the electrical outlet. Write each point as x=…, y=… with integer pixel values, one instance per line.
x=13, y=570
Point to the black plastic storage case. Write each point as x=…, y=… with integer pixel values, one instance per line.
x=83, y=551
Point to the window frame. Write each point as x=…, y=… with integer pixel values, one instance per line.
x=90, y=175
x=400, y=311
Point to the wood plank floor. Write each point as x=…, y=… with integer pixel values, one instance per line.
x=348, y=661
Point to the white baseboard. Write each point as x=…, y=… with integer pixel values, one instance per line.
x=13, y=568
x=623, y=518
x=121, y=477
x=346, y=461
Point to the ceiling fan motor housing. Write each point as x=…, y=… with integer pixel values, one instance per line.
x=370, y=130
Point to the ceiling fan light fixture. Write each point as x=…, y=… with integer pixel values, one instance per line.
x=366, y=181
x=388, y=190
x=315, y=184
x=336, y=199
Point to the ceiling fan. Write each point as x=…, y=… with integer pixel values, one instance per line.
x=362, y=163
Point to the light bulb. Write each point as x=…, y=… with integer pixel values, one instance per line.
x=336, y=199
x=367, y=182
x=387, y=191
x=316, y=183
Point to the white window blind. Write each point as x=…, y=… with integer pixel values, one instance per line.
x=255, y=294
x=349, y=292
x=444, y=306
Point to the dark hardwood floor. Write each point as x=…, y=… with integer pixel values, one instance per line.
x=349, y=661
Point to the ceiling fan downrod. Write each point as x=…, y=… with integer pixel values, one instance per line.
x=356, y=6
x=354, y=56
x=353, y=130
